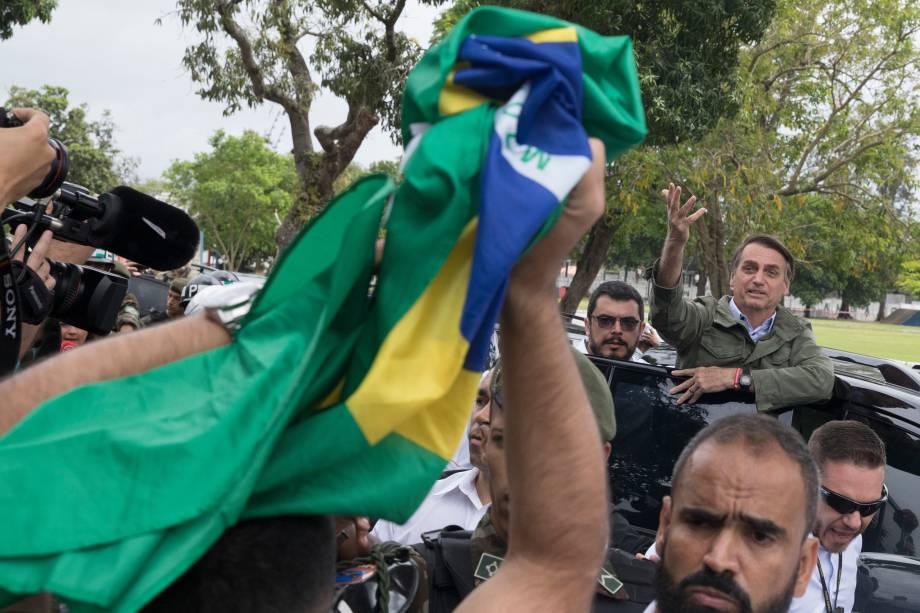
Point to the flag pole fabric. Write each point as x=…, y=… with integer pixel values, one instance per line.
x=328, y=400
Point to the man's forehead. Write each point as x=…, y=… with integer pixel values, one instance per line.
x=761, y=254
x=735, y=479
x=855, y=481
x=606, y=304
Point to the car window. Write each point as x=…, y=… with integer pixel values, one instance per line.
x=895, y=528
x=651, y=432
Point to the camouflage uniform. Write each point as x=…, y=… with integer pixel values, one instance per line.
x=488, y=551
x=129, y=314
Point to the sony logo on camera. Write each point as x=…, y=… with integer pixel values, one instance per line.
x=9, y=301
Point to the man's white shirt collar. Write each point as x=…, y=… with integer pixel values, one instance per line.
x=464, y=481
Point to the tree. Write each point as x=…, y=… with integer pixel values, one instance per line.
x=828, y=115
x=21, y=12
x=687, y=56
x=95, y=162
x=909, y=279
x=353, y=172
x=237, y=193
x=284, y=52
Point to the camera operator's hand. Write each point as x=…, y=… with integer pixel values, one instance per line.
x=38, y=260
x=25, y=155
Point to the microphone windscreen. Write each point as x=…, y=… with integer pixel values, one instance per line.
x=145, y=230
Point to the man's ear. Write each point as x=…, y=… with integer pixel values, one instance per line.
x=607, y=449
x=806, y=565
x=664, y=519
x=588, y=326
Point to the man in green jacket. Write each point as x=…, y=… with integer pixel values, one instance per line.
x=747, y=341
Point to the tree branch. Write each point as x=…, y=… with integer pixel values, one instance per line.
x=389, y=24
x=341, y=142
x=815, y=183
x=299, y=109
x=758, y=53
x=836, y=110
x=251, y=65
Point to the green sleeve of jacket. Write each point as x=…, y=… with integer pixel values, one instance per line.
x=809, y=379
x=680, y=322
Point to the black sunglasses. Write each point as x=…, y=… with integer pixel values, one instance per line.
x=605, y=322
x=845, y=506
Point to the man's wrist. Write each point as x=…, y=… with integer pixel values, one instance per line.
x=745, y=380
x=677, y=242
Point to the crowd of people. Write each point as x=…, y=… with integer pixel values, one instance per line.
x=757, y=520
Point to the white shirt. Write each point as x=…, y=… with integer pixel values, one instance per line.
x=452, y=501
x=813, y=599
x=755, y=333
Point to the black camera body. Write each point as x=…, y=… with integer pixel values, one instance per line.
x=123, y=221
x=87, y=297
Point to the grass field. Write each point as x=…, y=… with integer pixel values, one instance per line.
x=882, y=340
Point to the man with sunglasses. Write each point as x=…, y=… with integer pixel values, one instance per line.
x=746, y=341
x=852, y=462
x=615, y=326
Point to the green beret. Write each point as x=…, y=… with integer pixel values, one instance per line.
x=596, y=388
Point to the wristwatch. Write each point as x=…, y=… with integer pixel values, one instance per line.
x=745, y=381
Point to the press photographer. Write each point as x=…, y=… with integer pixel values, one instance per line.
x=123, y=221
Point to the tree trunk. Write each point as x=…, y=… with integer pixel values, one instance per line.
x=844, y=312
x=314, y=190
x=701, y=284
x=592, y=258
x=711, y=240
x=316, y=172
x=882, y=305
x=807, y=311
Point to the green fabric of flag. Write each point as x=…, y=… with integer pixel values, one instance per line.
x=328, y=401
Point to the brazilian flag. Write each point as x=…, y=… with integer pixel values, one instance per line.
x=330, y=399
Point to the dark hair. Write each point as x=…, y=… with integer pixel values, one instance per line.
x=847, y=441
x=616, y=290
x=770, y=242
x=270, y=565
x=759, y=432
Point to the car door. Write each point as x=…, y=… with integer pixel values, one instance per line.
x=889, y=570
x=652, y=430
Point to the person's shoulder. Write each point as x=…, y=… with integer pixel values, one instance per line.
x=712, y=302
x=453, y=479
x=791, y=322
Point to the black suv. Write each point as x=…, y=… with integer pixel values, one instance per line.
x=652, y=431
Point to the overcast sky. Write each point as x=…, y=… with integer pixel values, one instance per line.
x=111, y=55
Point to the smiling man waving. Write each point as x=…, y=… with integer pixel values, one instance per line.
x=747, y=341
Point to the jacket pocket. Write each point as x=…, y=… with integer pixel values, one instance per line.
x=778, y=358
x=720, y=348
